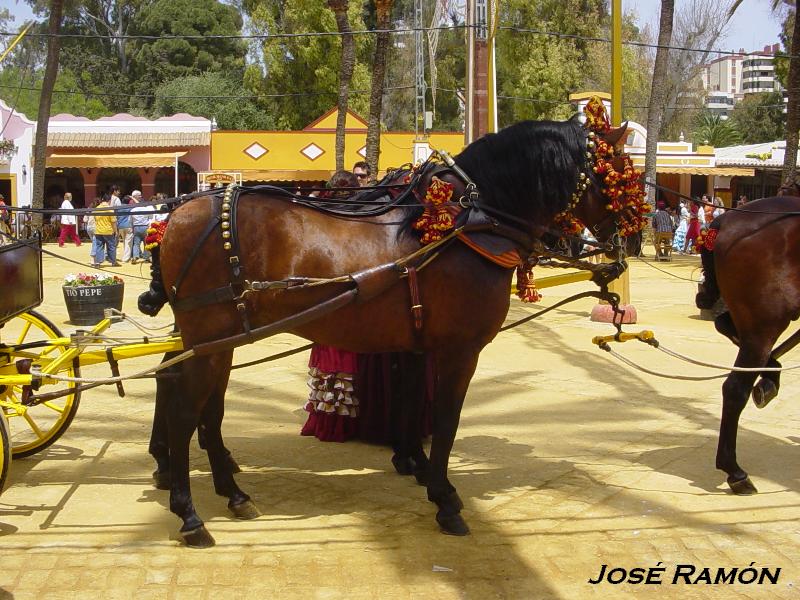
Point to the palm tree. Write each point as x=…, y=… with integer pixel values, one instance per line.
x=48, y=83
x=658, y=93
x=712, y=129
x=383, y=10
x=339, y=8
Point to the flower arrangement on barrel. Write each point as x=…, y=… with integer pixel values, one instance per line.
x=87, y=295
x=91, y=279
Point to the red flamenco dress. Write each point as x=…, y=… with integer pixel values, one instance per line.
x=694, y=224
x=332, y=403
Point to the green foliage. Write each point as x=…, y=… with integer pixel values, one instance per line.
x=781, y=59
x=185, y=95
x=760, y=118
x=306, y=69
x=544, y=68
x=27, y=101
x=711, y=129
x=162, y=60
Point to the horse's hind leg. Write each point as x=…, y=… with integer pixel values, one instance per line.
x=166, y=388
x=454, y=368
x=222, y=465
x=409, y=456
x=735, y=391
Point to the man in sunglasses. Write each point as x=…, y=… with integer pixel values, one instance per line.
x=361, y=170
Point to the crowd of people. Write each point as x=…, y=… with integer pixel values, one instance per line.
x=123, y=224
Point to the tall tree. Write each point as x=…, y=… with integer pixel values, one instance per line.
x=348, y=60
x=759, y=117
x=789, y=173
x=713, y=130
x=50, y=72
x=658, y=92
x=383, y=22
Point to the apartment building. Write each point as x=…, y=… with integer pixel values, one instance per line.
x=727, y=79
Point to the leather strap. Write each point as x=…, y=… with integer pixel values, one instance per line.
x=195, y=251
x=112, y=362
x=416, y=304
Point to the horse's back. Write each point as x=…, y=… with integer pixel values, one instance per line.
x=757, y=259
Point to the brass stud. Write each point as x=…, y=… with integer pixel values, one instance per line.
x=227, y=245
x=226, y=234
x=588, y=155
x=226, y=225
x=226, y=206
x=583, y=176
x=590, y=144
x=591, y=134
x=226, y=215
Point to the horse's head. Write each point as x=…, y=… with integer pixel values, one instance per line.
x=609, y=197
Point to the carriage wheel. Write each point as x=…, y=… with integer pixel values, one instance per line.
x=34, y=428
x=5, y=452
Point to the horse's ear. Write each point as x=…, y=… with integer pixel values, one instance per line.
x=615, y=135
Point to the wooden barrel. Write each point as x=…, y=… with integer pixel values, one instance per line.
x=85, y=304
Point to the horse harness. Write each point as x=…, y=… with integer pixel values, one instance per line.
x=473, y=221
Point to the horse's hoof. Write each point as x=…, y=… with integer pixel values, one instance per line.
x=403, y=465
x=452, y=524
x=742, y=487
x=161, y=480
x=245, y=511
x=198, y=538
x=763, y=392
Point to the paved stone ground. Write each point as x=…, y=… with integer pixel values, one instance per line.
x=566, y=460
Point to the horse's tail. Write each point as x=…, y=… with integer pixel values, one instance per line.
x=708, y=292
x=151, y=301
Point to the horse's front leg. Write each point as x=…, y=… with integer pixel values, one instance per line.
x=455, y=368
x=735, y=391
x=198, y=380
x=222, y=464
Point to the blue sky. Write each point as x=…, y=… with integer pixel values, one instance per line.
x=752, y=27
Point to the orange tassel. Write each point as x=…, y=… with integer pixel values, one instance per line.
x=526, y=288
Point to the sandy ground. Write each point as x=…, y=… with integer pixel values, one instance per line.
x=566, y=460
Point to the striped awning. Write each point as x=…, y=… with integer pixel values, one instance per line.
x=137, y=159
x=104, y=139
x=721, y=171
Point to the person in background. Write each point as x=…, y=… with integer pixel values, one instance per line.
x=124, y=225
x=742, y=201
x=693, y=230
x=5, y=223
x=662, y=231
x=707, y=210
x=141, y=216
x=68, y=223
x=719, y=207
x=679, y=238
x=105, y=234
x=362, y=171
x=89, y=226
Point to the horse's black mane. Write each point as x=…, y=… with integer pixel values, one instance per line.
x=530, y=168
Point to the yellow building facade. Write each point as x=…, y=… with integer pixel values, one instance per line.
x=310, y=154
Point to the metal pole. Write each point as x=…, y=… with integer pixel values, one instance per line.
x=616, y=62
x=621, y=286
x=176, y=175
x=16, y=40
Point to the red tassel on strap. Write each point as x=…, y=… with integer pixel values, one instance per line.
x=526, y=288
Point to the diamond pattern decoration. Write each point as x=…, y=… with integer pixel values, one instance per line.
x=363, y=151
x=255, y=151
x=312, y=151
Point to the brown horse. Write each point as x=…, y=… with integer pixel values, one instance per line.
x=753, y=267
x=522, y=177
